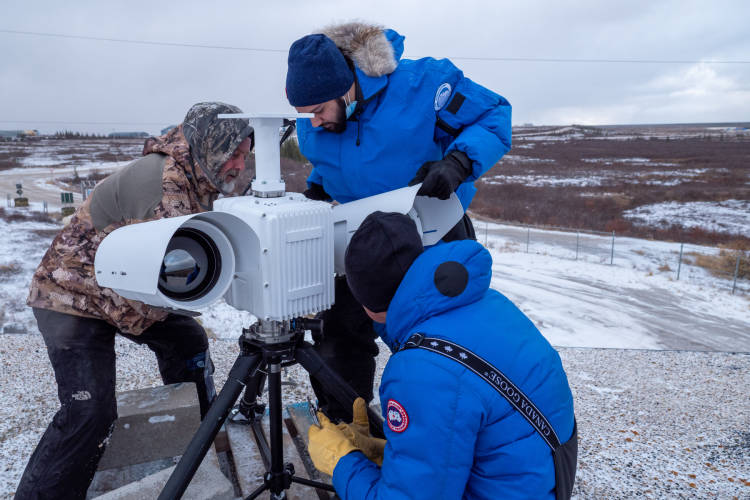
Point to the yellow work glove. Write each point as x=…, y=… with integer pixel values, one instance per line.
x=327, y=444
x=358, y=433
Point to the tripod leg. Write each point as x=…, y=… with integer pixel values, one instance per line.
x=243, y=367
x=249, y=406
x=260, y=489
x=314, y=484
x=252, y=412
x=334, y=384
x=275, y=417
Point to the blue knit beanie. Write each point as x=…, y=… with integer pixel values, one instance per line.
x=317, y=71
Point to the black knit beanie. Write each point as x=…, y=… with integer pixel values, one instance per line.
x=379, y=254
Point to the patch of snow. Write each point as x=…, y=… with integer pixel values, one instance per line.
x=104, y=166
x=545, y=180
x=224, y=321
x=730, y=216
x=158, y=419
x=526, y=159
x=578, y=299
x=630, y=161
x=21, y=251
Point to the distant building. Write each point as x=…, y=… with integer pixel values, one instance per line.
x=18, y=134
x=167, y=129
x=128, y=135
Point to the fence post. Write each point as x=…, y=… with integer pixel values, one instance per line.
x=7, y=202
x=44, y=206
x=736, y=272
x=528, y=237
x=679, y=262
x=612, y=255
x=578, y=239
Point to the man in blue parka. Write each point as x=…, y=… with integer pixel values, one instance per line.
x=382, y=123
x=449, y=433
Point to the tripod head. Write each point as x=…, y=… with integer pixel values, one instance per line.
x=277, y=332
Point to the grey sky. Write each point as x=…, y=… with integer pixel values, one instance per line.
x=71, y=80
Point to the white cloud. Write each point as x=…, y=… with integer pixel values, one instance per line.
x=79, y=80
x=699, y=80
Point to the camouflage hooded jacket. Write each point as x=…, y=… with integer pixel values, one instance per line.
x=166, y=182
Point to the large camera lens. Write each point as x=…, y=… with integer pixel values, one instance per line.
x=191, y=265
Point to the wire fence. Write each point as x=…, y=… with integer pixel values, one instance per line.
x=713, y=266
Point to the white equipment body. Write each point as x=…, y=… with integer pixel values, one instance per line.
x=274, y=256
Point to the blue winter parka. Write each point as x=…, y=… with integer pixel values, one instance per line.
x=419, y=112
x=449, y=433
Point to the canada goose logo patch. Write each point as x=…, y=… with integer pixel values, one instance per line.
x=442, y=95
x=398, y=419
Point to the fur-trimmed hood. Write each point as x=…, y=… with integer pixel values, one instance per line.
x=375, y=50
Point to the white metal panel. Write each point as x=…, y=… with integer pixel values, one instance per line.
x=295, y=247
x=436, y=217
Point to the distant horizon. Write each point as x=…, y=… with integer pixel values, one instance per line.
x=657, y=124
x=150, y=130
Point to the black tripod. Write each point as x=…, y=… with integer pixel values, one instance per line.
x=264, y=349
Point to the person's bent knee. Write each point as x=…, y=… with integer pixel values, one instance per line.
x=95, y=415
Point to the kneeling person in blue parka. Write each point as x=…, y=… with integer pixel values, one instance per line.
x=475, y=400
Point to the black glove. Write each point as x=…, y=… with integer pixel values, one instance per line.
x=316, y=192
x=441, y=178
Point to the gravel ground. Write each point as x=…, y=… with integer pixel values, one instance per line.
x=656, y=424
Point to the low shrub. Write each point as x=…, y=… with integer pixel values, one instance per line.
x=18, y=216
x=7, y=270
x=724, y=264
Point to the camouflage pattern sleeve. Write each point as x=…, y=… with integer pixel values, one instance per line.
x=64, y=280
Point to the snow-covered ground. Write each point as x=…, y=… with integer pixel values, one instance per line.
x=628, y=445
x=588, y=179
x=23, y=245
x=652, y=424
x=729, y=216
x=657, y=419
x=635, y=302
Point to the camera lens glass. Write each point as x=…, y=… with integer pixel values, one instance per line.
x=191, y=265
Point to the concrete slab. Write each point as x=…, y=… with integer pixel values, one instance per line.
x=207, y=484
x=111, y=479
x=152, y=424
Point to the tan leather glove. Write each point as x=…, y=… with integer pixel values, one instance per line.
x=327, y=445
x=358, y=433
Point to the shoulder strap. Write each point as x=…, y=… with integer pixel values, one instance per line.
x=492, y=376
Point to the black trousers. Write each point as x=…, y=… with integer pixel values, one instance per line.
x=347, y=342
x=82, y=353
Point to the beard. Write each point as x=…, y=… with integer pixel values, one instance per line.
x=227, y=187
x=339, y=125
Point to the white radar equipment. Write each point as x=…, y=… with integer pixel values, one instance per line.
x=274, y=253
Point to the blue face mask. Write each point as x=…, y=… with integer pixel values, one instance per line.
x=350, y=108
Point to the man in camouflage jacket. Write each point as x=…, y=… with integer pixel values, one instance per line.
x=180, y=173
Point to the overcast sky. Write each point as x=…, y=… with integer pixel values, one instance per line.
x=146, y=87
